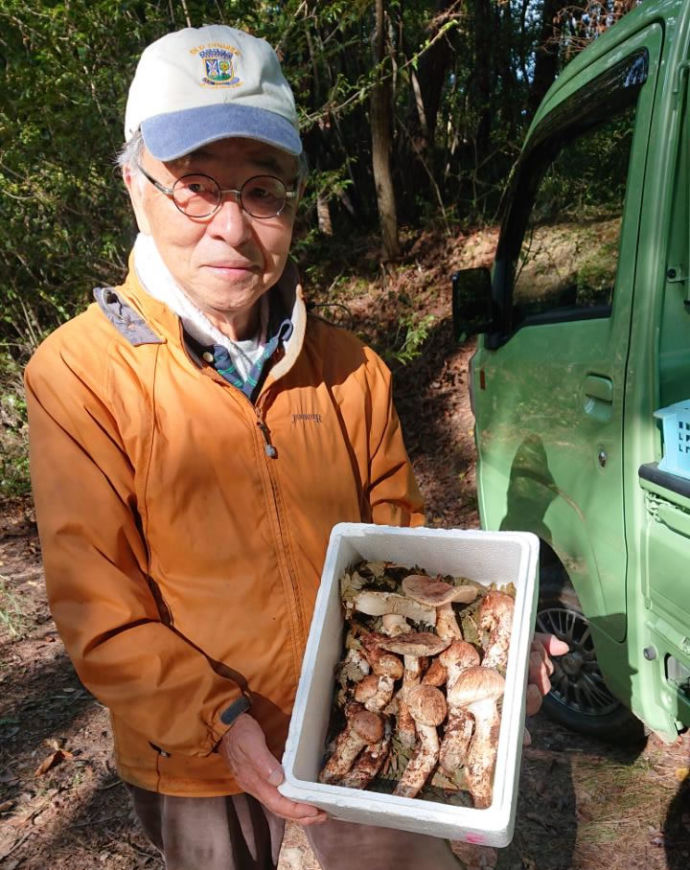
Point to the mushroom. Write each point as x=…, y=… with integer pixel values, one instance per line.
x=375, y=603
x=393, y=625
x=496, y=616
x=436, y=593
x=428, y=709
x=412, y=646
x=380, y=660
x=374, y=692
x=363, y=729
x=478, y=689
x=435, y=675
x=369, y=762
x=458, y=730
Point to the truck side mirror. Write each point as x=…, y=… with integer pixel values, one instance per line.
x=472, y=303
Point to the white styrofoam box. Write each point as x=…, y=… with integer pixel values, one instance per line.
x=487, y=557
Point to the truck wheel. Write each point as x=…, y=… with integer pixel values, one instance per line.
x=579, y=697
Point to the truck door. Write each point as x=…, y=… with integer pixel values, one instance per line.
x=549, y=384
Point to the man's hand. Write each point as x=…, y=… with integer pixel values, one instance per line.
x=541, y=667
x=258, y=772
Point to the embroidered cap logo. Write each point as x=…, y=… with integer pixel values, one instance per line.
x=219, y=67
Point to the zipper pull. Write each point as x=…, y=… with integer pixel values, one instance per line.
x=269, y=449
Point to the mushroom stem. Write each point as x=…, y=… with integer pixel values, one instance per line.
x=481, y=755
x=456, y=740
x=404, y=721
x=369, y=762
x=363, y=728
x=428, y=709
x=412, y=646
x=478, y=688
x=496, y=616
x=458, y=730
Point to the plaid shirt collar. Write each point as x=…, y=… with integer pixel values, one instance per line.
x=278, y=331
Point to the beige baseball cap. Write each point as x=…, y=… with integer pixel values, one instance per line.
x=199, y=85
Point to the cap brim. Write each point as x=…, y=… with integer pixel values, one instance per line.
x=175, y=134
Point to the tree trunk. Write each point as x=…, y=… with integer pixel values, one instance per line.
x=483, y=69
x=381, y=142
x=546, y=56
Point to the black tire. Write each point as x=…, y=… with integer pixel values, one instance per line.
x=579, y=697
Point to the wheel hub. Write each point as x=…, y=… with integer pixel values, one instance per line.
x=571, y=663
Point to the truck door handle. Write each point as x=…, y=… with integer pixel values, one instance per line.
x=599, y=388
x=598, y=398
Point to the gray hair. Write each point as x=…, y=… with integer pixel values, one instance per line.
x=131, y=153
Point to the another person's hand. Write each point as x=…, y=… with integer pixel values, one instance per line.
x=541, y=667
x=258, y=772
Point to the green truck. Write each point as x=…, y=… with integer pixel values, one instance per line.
x=582, y=368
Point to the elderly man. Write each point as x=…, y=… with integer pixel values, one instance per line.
x=194, y=438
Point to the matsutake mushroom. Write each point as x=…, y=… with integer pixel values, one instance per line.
x=392, y=624
x=478, y=689
x=369, y=761
x=496, y=617
x=376, y=690
x=435, y=675
x=375, y=603
x=440, y=595
x=428, y=709
x=363, y=729
x=457, y=732
x=412, y=647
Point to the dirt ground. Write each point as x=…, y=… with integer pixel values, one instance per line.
x=582, y=804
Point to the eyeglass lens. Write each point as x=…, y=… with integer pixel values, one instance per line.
x=262, y=196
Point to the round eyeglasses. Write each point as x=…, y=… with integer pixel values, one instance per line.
x=200, y=196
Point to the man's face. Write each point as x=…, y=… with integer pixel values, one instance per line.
x=224, y=263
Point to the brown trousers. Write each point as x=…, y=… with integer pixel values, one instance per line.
x=238, y=833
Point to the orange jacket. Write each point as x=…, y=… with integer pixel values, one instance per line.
x=181, y=560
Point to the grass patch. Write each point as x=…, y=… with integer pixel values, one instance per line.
x=13, y=620
x=14, y=430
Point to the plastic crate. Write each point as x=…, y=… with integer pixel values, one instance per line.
x=487, y=557
x=675, y=421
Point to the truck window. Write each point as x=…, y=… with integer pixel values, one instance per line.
x=569, y=253
x=560, y=241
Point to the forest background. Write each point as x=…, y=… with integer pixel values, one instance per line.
x=412, y=113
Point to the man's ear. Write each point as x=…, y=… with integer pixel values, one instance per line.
x=132, y=181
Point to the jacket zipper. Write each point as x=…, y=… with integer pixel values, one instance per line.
x=272, y=453
x=269, y=449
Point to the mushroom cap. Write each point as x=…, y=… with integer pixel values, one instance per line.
x=366, y=688
x=368, y=725
x=415, y=643
x=376, y=603
x=381, y=661
x=436, y=674
x=434, y=592
x=495, y=607
x=427, y=705
x=459, y=654
x=476, y=684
